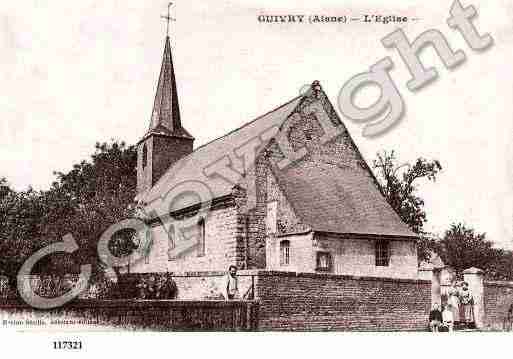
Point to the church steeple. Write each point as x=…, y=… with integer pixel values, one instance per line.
x=165, y=118
x=166, y=141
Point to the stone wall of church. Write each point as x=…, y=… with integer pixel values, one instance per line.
x=350, y=256
x=161, y=152
x=261, y=182
x=255, y=214
x=287, y=220
x=356, y=256
x=144, y=166
x=223, y=247
x=166, y=151
x=305, y=131
x=301, y=253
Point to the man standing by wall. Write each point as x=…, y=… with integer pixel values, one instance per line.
x=232, y=284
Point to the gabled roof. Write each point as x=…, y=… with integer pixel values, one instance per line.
x=326, y=197
x=192, y=166
x=165, y=117
x=332, y=198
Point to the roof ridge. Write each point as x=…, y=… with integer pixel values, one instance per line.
x=247, y=123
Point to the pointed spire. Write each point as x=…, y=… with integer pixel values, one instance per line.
x=165, y=118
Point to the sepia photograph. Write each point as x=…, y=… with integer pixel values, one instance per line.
x=256, y=166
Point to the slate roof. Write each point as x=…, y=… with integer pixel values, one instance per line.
x=337, y=199
x=191, y=167
x=165, y=116
x=326, y=197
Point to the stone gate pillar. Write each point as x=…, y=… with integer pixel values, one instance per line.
x=474, y=277
x=436, y=289
x=427, y=272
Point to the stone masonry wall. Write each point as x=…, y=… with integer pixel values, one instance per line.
x=498, y=298
x=162, y=152
x=357, y=256
x=301, y=253
x=308, y=301
x=304, y=131
x=222, y=248
x=165, y=152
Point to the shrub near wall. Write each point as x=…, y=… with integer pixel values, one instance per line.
x=307, y=301
x=144, y=286
x=205, y=285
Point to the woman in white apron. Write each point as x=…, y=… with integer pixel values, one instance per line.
x=467, y=301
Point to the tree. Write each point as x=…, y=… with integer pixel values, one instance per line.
x=83, y=202
x=462, y=247
x=4, y=188
x=91, y=197
x=19, y=216
x=399, y=186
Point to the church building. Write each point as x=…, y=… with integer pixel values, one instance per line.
x=287, y=191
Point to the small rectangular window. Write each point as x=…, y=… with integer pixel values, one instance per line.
x=382, y=253
x=284, y=253
x=324, y=263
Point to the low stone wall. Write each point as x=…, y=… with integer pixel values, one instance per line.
x=498, y=301
x=165, y=315
x=282, y=301
x=206, y=285
x=308, y=301
x=210, y=285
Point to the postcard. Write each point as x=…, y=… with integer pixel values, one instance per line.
x=255, y=166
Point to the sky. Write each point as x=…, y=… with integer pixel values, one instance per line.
x=74, y=73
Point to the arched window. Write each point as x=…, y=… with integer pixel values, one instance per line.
x=284, y=253
x=201, y=238
x=171, y=243
x=144, y=156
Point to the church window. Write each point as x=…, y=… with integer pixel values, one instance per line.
x=382, y=253
x=284, y=253
x=323, y=262
x=201, y=238
x=170, y=242
x=144, y=156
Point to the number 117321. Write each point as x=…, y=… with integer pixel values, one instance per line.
x=67, y=345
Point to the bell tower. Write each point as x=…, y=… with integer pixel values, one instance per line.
x=166, y=141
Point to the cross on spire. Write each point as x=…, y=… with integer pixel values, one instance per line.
x=168, y=18
x=165, y=118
